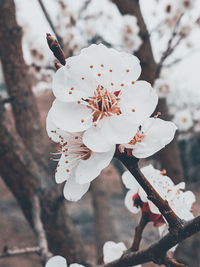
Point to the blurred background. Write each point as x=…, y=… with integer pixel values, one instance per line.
x=165, y=36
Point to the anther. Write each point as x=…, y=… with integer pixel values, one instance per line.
x=132, y=82
x=83, y=78
x=91, y=66
x=78, y=101
x=76, y=137
x=82, y=121
x=127, y=70
x=70, y=93
x=99, y=74
x=67, y=170
x=133, y=110
x=102, y=65
x=112, y=84
x=122, y=84
x=110, y=70
x=72, y=88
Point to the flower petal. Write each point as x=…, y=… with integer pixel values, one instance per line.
x=110, y=131
x=113, y=251
x=74, y=191
x=130, y=182
x=128, y=201
x=141, y=98
x=53, y=131
x=157, y=134
x=62, y=173
x=86, y=172
x=71, y=117
x=56, y=261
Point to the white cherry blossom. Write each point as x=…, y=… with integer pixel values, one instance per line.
x=75, y=161
x=113, y=251
x=153, y=135
x=130, y=33
x=163, y=87
x=97, y=92
x=180, y=201
x=58, y=261
x=184, y=120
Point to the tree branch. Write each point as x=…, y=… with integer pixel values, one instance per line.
x=39, y=230
x=138, y=232
x=58, y=37
x=18, y=251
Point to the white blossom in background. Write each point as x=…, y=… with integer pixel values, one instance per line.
x=183, y=119
x=58, y=261
x=98, y=19
x=130, y=33
x=98, y=92
x=75, y=161
x=181, y=202
x=163, y=87
x=153, y=135
x=113, y=251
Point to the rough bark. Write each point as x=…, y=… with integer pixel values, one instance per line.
x=169, y=157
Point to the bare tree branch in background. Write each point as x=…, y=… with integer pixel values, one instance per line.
x=18, y=251
x=149, y=67
x=58, y=37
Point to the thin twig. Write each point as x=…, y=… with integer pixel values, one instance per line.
x=39, y=230
x=131, y=163
x=56, y=48
x=170, y=48
x=60, y=40
x=18, y=251
x=138, y=231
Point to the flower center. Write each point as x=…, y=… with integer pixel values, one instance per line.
x=103, y=103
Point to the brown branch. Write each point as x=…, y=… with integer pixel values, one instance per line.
x=157, y=251
x=18, y=251
x=48, y=18
x=131, y=163
x=56, y=48
x=39, y=230
x=138, y=232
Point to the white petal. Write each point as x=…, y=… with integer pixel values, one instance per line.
x=130, y=182
x=113, y=251
x=142, y=98
x=88, y=170
x=110, y=131
x=68, y=116
x=118, y=67
x=62, y=174
x=158, y=133
x=56, y=261
x=74, y=191
x=128, y=201
x=53, y=131
x=74, y=81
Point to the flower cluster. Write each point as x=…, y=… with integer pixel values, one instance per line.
x=99, y=104
x=136, y=199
